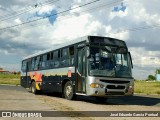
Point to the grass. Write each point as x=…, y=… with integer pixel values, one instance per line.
x=150, y=87
x=13, y=79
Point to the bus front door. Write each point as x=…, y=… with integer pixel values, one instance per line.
x=81, y=69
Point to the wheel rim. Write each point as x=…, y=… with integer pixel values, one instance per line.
x=68, y=90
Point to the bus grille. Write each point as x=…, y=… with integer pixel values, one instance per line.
x=115, y=93
x=115, y=87
x=115, y=81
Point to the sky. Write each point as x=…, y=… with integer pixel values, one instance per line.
x=136, y=22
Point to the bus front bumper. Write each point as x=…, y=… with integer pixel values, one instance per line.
x=129, y=90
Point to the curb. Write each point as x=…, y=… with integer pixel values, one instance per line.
x=8, y=85
x=143, y=94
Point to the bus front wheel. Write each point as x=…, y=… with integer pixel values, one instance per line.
x=68, y=91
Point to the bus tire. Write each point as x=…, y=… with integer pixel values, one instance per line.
x=33, y=88
x=68, y=91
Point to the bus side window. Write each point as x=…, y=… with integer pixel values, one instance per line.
x=44, y=59
x=29, y=65
x=32, y=63
x=51, y=60
x=24, y=66
x=40, y=62
x=56, y=58
x=37, y=63
x=48, y=60
x=64, y=57
x=71, y=55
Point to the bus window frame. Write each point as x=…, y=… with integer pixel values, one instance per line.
x=24, y=70
x=60, y=57
x=57, y=57
x=64, y=58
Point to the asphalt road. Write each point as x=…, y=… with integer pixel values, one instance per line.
x=18, y=98
x=145, y=100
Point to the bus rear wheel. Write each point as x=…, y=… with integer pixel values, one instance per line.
x=68, y=91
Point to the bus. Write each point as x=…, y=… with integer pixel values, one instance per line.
x=92, y=66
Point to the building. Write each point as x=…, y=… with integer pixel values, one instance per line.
x=158, y=74
x=158, y=77
x=3, y=71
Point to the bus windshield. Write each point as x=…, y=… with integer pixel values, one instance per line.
x=109, y=61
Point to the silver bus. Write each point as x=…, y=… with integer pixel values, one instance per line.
x=91, y=66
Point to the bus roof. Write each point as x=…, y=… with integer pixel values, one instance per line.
x=57, y=47
x=85, y=38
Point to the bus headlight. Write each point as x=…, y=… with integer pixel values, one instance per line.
x=96, y=85
x=130, y=87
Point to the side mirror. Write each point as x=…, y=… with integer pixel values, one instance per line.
x=88, y=52
x=130, y=59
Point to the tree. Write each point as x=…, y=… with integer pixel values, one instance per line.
x=157, y=71
x=151, y=77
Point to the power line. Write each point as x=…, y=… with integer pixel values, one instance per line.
x=27, y=10
x=3, y=16
x=92, y=9
x=82, y=12
x=15, y=12
x=29, y=6
x=49, y=15
x=137, y=28
x=125, y=30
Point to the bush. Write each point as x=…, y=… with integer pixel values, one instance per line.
x=151, y=78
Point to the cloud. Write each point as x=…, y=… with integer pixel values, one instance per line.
x=52, y=15
x=11, y=3
x=46, y=11
x=18, y=21
x=143, y=44
x=141, y=73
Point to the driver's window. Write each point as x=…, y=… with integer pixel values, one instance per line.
x=121, y=59
x=124, y=60
x=118, y=59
